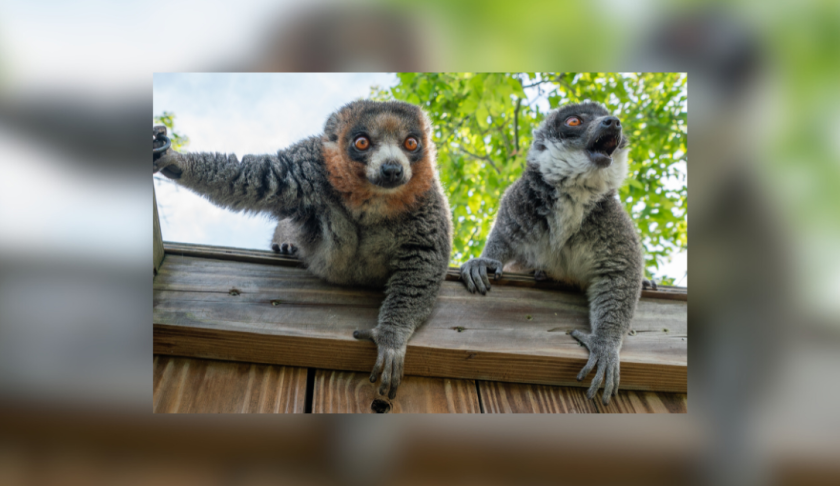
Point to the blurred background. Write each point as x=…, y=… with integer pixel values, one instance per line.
x=75, y=232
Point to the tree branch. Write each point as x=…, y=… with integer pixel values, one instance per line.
x=481, y=157
x=516, y=126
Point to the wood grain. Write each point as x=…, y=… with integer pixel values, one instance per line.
x=348, y=392
x=184, y=385
x=499, y=397
x=265, y=313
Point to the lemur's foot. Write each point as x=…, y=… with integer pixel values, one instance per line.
x=390, y=357
x=284, y=249
x=474, y=273
x=539, y=275
x=648, y=284
x=604, y=353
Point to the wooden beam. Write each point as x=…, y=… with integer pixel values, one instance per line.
x=184, y=385
x=453, y=275
x=266, y=313
x=499, y=397
x=157, y=240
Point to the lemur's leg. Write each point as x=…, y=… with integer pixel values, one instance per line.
x=410, y=296
x=612, y=302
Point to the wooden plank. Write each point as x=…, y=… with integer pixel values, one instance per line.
x=157, y=240
x=499, y=397
x=283, y=315
x=452, y=275
x=348, y=392
x=184, y=385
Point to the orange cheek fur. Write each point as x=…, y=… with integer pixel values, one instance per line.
x=349, y=179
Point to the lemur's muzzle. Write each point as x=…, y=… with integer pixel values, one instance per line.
x=605, y=140
x=390, y=175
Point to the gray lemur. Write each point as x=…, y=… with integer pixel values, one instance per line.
x=361, y=205
x=563, y=218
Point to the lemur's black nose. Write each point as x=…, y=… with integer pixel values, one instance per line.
x=611, y=121
x=391, y=171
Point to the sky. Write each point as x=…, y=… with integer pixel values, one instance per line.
x=252, y=114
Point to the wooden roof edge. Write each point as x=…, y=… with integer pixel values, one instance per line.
x=509, y=278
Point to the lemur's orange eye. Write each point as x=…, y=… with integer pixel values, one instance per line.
x=573, y=121
x=410, y=143
x=362, y=143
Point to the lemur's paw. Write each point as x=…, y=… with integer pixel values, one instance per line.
x=474, y=273
x=648, y=284
x=390, y=358
x=604, y=354
x=284, y=249
x=540, y=276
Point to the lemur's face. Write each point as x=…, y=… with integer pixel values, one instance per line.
x=579, y=136
x=388, y=144
x=379, y=148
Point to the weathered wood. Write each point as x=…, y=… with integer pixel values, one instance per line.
x=452, y=275
x=348, y=392
x=283, y=315
x=157, y=240
x=184, y=385
x=499, y=397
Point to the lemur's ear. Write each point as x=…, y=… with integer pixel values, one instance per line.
x=331, y=127
x=539, y=139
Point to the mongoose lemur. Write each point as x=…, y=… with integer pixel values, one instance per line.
x=360, y=205
x=562, y=218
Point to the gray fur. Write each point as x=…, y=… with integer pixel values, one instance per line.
x=407, y=253
x=563, y=218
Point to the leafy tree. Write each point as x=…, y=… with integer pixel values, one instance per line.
x=483, y=125
x=179, y=141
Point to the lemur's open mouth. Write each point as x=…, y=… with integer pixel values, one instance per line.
x=601, y=150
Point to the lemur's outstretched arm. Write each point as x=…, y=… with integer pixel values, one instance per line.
x=411, y=292
x=496, y=252
x=612, y=302
x=258, y=183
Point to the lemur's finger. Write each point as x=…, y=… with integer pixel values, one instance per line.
x=581, y=337
x=362, y=334
x=476, y=277
x=465, y=276
x=587, y=368
x=596, y=382
x=608, y=386
x=482, y=271
x=387, y=371
x=396, y=379
x=617, y=379
x=377, y=368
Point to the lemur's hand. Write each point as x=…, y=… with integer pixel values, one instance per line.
x=648, y=284
x=604, y=353
x=390, y=358
x=168, y=162
x=474, y=273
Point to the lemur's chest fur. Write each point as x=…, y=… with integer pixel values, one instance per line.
x=553, y=248
x=350, y=252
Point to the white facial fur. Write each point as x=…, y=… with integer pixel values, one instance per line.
x=566, y=167
x=382, y=154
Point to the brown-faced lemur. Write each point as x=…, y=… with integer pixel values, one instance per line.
x=563, y=218
x=360, y=204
